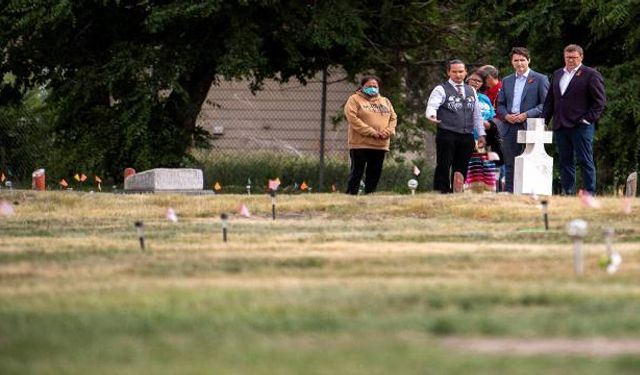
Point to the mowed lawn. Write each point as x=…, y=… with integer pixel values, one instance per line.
x=381, y=284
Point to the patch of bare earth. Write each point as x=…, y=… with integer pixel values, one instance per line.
x=592, y=347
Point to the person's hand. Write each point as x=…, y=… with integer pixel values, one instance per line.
x=481, y=142
x=522, y=117
x=487, y=124
x=433, y=119
x=511, y=118
x=384, y=134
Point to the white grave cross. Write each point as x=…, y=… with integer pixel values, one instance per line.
x=533, y=172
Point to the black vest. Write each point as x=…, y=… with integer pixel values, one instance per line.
x=456, y=113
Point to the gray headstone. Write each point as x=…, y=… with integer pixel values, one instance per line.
x=632, y=185
x=165, y=179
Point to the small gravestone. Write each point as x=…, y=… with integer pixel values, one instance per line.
x=182, y=180
x=632, y=185
x=533, y=172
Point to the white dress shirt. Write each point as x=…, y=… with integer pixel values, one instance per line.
x=438, y=97
x=518, y=88
x=567, y=76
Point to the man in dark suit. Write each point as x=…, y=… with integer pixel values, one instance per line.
x=522, y=97
x=575, y=102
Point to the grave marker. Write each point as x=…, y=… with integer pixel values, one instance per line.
x=533, y=173
x=632, y=185
x=165, y=180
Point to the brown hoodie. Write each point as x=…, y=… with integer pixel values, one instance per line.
x=367, y=116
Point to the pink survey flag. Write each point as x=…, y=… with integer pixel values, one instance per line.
x=588, y=200
x=171, y=215
x=274, y=184
x=416, y=170
x=6, y=208
x=243, y=210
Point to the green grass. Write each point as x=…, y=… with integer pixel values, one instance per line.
x=367, y=285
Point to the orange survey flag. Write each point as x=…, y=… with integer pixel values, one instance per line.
x=77, y=177
x=217, y=186
x=304, y=186
x=83, y=177
x=63, y=183
x=2, y=177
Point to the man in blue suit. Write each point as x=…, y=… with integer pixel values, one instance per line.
x=575, y=102
x=522, y=97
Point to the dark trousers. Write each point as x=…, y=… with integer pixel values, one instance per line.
x=576, y=144
x=510, y=149
x=494, y=141
x=453, y=151
x=361, y=159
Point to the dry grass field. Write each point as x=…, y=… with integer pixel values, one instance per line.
x=335, y=285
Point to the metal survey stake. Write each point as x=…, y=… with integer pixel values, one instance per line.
x=613, y=258
x=577, y=230
x=273, y=204
x=249, y=186
x=545, y=213
x=224, y=219
x=140, y=232
x=609, y=233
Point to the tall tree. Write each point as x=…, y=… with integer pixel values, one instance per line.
x=128, y=77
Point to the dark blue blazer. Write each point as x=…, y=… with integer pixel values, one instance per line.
x=584, y=99
x=533, y=95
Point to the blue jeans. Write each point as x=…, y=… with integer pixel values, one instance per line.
x=575, y=144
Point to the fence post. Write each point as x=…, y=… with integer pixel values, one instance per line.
x=323, y=117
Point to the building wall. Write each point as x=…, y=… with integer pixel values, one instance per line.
x=280, y=118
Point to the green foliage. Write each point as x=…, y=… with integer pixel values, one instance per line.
x=128, y=79
x=233, y=172
x=25, y=138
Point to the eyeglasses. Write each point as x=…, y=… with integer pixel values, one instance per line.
x=474, y=80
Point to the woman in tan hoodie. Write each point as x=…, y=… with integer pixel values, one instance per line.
x=372, y=122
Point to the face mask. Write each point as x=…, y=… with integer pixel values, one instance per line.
x=371, y=91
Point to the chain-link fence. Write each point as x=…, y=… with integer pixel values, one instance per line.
x=280, y=118
x=25, y=144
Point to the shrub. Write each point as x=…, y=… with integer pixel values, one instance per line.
x=232, y=171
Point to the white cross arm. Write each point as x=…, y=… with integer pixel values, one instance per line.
x=535, y=136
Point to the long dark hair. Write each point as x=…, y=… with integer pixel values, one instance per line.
x=483, y=77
